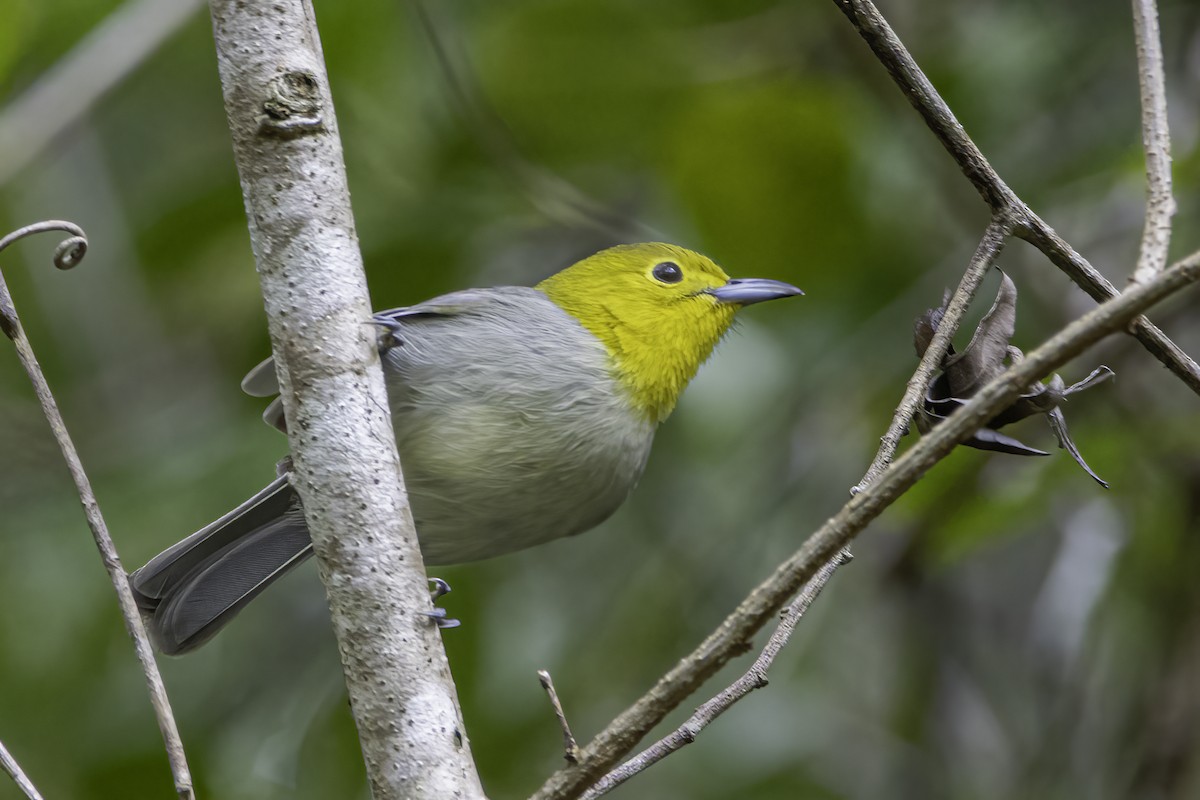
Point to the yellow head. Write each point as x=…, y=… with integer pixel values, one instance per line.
x=659, y=309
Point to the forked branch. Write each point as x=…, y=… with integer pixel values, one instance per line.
x=892, y=53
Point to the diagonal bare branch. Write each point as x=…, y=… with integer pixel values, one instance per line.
x=10, y=766
x=69, y=253
x=753, y=678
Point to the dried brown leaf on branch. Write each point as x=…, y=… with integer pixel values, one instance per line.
x=988, y=355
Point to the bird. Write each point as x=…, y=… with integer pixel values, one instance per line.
x=521, y=415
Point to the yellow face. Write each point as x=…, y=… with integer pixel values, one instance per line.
x=659, y=309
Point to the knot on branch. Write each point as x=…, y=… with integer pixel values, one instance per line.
x=293, y=107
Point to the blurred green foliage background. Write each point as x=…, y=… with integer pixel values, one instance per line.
x=1008, y=630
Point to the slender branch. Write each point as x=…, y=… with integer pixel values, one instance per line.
x=345, y=465
x=71, y=88
x=1156, y=140
x=994, y=237
x=754, y=678
x=69, y=253
x=10, y=765
x=730, y=637
x=904, y=70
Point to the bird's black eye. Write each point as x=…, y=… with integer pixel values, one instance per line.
x=667, y=272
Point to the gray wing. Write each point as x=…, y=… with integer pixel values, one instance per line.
x=263, y=382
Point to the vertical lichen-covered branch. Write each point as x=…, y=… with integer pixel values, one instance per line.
x=1156, y=141
x=346, y=469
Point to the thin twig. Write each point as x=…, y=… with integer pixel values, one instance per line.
x=994, y=238
x=754, y=678
x=570, y=746
x=892, y=53
x=10, y=765
x=730, y=637
x=69, y=253
x=1156, y=140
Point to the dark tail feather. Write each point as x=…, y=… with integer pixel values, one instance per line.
x=189, y=591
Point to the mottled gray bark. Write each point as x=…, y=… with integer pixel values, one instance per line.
x=347, y=471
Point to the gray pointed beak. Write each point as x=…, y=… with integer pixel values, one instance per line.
x=745, y=291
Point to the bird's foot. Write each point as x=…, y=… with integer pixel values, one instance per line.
x=438, y=615
x=389, y=337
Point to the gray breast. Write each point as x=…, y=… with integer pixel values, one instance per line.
x=511, y=428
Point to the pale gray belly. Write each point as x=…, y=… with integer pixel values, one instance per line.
x=511, y=428
x=485, y=480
